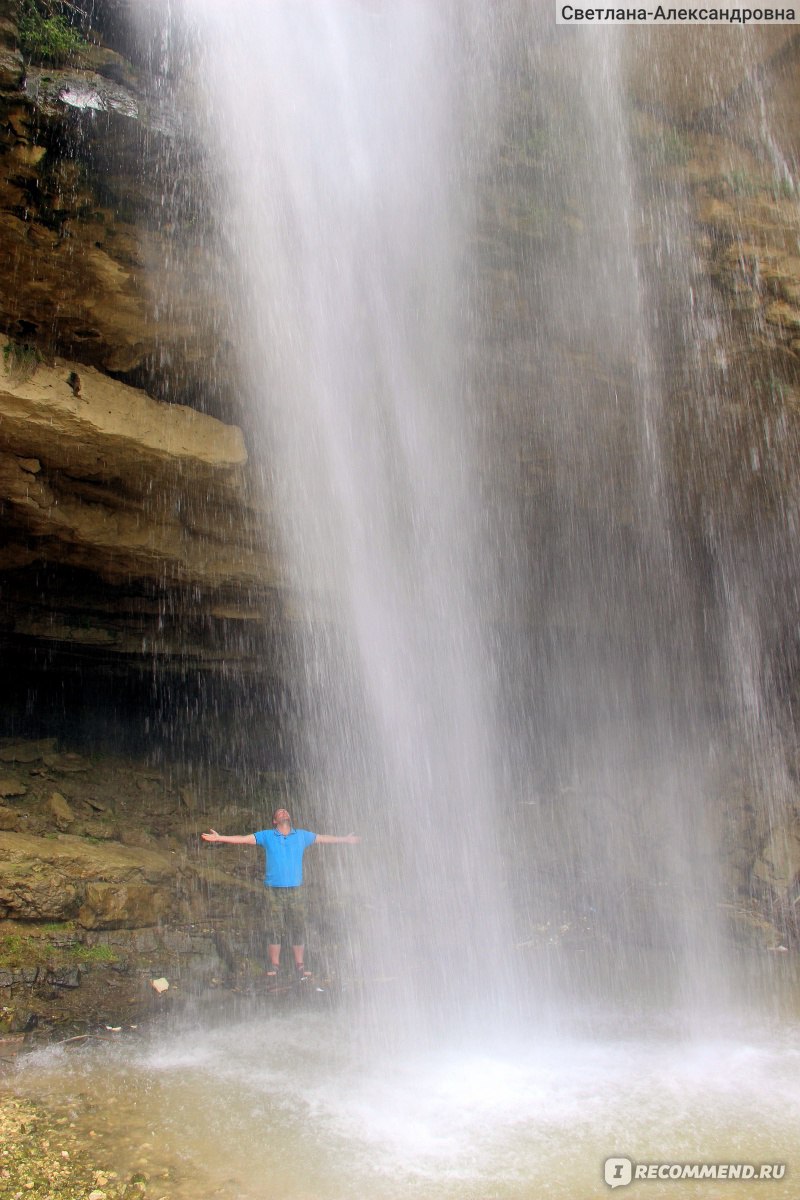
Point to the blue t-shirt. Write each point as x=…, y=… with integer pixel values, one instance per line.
x=284, y=866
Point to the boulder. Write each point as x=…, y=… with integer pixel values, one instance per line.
x=46, y=879
x=11, y=786
x=67, y=764
x=129, y=906
x=27, y=752
x=60, y=811
x=778, y=863
x=30, y=893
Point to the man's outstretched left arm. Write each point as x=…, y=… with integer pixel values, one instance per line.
x=328, y=838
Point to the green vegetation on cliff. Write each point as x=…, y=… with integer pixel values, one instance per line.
x=46, y=35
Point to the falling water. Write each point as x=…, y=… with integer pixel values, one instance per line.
x=516, y=673
x=346, y=208
x=455, y=341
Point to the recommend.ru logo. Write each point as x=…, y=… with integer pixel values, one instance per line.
x=620, y=1171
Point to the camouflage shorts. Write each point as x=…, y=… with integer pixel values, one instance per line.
x=286, y=916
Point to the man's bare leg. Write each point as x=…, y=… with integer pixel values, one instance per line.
x=299, y=954
x=274, y=953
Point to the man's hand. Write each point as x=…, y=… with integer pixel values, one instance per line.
x=211, y=836
x=351, y=839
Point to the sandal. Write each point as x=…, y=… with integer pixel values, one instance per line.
x=303, y=972
x=272, y=978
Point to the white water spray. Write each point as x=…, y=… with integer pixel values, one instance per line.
x=514, y=720
x=345, y=208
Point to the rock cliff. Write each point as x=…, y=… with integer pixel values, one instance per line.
x=140, y=512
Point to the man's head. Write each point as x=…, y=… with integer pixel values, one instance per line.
x=281, y=819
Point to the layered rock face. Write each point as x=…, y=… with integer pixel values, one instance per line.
x=132, y=527
x=106, y=886
x=99, y=477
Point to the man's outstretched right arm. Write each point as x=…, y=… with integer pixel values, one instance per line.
x=245, y=839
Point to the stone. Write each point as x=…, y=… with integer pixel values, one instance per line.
x=59, y=809
x=137, y=837
x=46, y=879
x=128, y=487
x=67, y=979
x=100, y=830
x=68, y=764
x=127, y=906
x=783, y=314
x=159, y=985
x=9, y=819
x=93, y=803
x=11, y=786
x=188, y=798
x=28, y=895
x=110, y=427
x=27, y=752
x=778, y=863
x=12, y=68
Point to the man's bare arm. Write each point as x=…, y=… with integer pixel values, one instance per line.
x=244, y=839
x=328, y=838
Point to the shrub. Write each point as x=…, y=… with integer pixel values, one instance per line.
x=44, y=34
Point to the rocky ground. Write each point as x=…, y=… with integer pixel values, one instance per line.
x=106, y=886
x=105, y=889
x=63, y=1144
x=44, y=1158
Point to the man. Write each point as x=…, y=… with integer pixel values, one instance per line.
x=284, y=847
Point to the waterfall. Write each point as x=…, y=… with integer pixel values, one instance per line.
x=449, y=347
x=457, y=317
x=347, y=133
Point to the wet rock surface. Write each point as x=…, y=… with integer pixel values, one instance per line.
x=109, y=478
x=129, y=502
x=89, y=917
x=152, y=500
